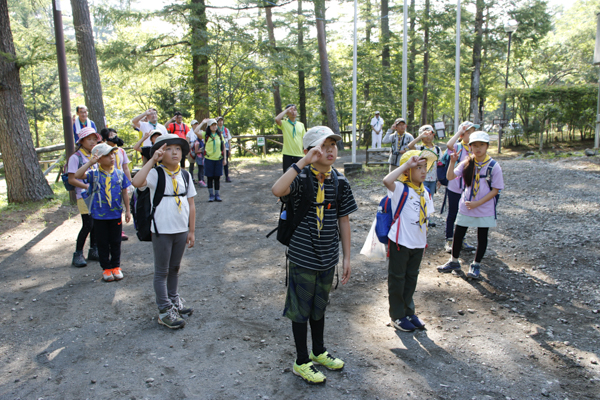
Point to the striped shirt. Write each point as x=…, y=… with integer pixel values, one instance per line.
x=306, y=248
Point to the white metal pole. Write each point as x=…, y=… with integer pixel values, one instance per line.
x=404, y=60
x=354, y=84
x=457, y=72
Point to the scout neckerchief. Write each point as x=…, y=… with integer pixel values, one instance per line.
x=213, y=136
x=117, y=158
x=293, y=124
x=85, y=152
x=478, y=167
x=466, y=146
x=173, y=176
x=107, y=183
x=420, y=190
x=320, y=195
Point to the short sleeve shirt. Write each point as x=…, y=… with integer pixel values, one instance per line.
x=486, y=209
x=168, y=217
x=292, y=142
x=212, y=146
x=100, y=207
x=74, y=165
x=121, y=158
x=308, y=248
x=412, y=235
x=146, y=127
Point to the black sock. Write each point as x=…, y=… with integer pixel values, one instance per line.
x=317, y=329
x=300, y=331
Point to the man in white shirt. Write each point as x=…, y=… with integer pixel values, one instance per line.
x=152, y=124
x=377, y=129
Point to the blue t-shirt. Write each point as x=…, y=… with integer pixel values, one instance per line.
x=100, y=209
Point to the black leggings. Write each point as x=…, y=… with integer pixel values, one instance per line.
x=86, y=228
x=216, y=180
x=459, y=236
x=226, y=167
x=300, y=331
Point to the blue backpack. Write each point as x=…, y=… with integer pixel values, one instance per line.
x=385, y=217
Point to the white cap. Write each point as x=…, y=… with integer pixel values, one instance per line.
x=102, y=149
x=479, y=136
x=316, y=135
x=194, y=122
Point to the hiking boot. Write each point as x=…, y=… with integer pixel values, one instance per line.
x=78, y=260
x=404, y=325
x=327, y=360
x=107, y=275
x=467, y=247
x=309, y=373
x=448, y=246
x=117, y=273
x=93, y=254
x=181, y=309
x=227, y=180
x=170, y=318
x=211, y=198
x=449, y=267
x=474, y=272
x=202, y=184
x=416, y=322
x=218, y=198
x=124, y=236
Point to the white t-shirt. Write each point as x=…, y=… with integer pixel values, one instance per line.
x=412, y=235
x=377, y=123
x=167, y=216
x=146, y=127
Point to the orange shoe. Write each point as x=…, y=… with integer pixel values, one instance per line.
x=107, y=275
x=117, y=273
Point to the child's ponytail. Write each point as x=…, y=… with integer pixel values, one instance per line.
x=469, y=170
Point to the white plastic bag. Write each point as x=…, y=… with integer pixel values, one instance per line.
x=373, y=248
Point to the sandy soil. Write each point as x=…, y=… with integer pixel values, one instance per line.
x=530, y=330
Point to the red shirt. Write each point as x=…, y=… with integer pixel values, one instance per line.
x=180, y=130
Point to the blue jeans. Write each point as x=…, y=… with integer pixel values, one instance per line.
x=431, y=186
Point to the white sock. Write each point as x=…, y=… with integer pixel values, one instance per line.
x=453, y=259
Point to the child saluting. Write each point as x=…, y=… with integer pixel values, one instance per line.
x=174, y=223
x=314, y=247
x=483, y=180
x=408, y=234
x=106, y=194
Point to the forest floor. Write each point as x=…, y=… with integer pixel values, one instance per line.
x=529, y=330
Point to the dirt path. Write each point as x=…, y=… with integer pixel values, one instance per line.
x=530, y=330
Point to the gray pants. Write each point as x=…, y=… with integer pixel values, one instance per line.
x=168, y=251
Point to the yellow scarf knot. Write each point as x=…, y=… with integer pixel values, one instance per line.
x=476, y=177
x=107, y=183
x=420, y=190
x=173, y=176
x=320, y=195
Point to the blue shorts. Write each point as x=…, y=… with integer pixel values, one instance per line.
x=213, y=168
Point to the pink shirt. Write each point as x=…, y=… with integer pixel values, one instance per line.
x=486, y=209
x=457, y=185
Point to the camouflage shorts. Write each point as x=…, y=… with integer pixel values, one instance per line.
x=308, y=293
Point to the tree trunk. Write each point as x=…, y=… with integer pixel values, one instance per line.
x=270, y=30
x=385, y=33
x=412, y=55
x=301, y=59
x=476, y=74
x=24, y=178
x=199, y=59
x=326, y=84
x=425, y=63
x=88, y=65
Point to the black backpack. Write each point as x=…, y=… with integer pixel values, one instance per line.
x=143, y=209
x=290, y=218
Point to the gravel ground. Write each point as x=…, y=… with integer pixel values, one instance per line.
x=529, y=330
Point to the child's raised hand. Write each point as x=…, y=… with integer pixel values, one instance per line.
x=413, y=161
x=314, y=154
x=454, y=157
x=158, y=154
x=146, y=135
x=94, y=159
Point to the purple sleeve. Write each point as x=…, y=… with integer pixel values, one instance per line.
x=497, y=177
x=458, y=171
x=73, y=164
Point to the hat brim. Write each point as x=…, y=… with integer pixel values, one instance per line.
x=322, y=140
x=185, y=146
x=97, y=137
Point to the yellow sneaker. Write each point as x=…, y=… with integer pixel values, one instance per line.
x=309, y=373
x=328, y=361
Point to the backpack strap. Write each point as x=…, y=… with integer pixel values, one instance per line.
x=158, y=195
x=401, y=204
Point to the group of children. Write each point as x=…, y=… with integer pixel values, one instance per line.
x=314, y=245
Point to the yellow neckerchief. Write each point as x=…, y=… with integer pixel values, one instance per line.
x=117, y=159
x=478, y=167
x=107, y=182
x=85, y=152
x=466, y=146
x=173, y=176
x=420, y=190
x=320, y=195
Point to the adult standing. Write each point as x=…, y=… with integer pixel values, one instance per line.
x=147, y=126
x=293, y=133
x=226, y=137
x=81, y=121
x=377, y=129
x=399, y=139
x=176, y=126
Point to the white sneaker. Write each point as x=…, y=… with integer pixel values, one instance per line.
x=448, y=246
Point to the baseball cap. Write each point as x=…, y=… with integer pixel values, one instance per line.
x=194, y=122
x=103, y=149
x=398, y=120
x=219, y=117
x=210, y=122
x=469, y=125
x=170, y=138
x=316, y=135
x=376, y=112
x=177, y=113
x=85, y=132
x=425, y=128
x=479, y=136
x=154, y=133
